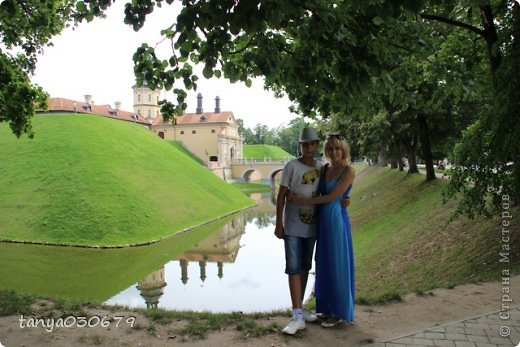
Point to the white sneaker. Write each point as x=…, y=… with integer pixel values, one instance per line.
x=309, y=317
x=293, y=326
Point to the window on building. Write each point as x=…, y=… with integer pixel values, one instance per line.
x=182, y=132
x=149, y=97
x=139, y=97
x=149, y=113
x=212, y=131
x=194, y=131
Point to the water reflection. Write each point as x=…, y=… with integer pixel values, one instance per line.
x=233, y=264
x=240, y=267
x=220, y=247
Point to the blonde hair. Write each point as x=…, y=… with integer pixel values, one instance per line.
x=334, y=141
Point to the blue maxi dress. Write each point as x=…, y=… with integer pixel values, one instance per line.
x=334, y=258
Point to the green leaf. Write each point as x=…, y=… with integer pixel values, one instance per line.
x=378, y=20
x=207, y=71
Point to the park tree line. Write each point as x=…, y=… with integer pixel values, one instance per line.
x=283, y=136
x=422, y=79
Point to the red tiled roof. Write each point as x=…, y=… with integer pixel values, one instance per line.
x=195, y=118
x=73, y=106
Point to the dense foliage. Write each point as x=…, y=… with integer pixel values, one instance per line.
x=25, y=28
x=425, y=80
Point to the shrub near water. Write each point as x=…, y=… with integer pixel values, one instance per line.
x=92, y=180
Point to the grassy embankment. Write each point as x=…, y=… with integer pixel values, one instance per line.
x=260, y=152
x=248, y=188
x=90, y=274
x=88, y=180
x=403, y=242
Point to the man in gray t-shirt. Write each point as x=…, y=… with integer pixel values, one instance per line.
x=295, y=224
x=299, y=220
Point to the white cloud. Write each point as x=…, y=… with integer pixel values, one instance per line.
x=96, y=59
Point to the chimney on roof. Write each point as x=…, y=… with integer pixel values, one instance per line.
x=88, y=99
x=199, y=104
x=117, y=105
x=217, y=104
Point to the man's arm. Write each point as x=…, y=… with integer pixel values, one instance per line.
x=280, y=206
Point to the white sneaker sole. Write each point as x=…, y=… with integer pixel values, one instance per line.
x=290, y=332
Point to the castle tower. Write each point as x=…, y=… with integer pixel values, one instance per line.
x=151, y=287
x=146, y=102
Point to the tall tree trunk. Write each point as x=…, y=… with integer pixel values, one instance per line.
x=400, y=164
x=490, y=36
x=412, y=161
x=426, y=148
x=381, y=157
x=395, y=154
x=411, y=151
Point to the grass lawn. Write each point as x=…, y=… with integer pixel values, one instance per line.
x=184, y=150
x=88, y=273
x=404, y=243
x=252, y=187
x=265, y=151
x=90, y=180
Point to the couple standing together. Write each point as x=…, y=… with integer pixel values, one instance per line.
x=307, y=182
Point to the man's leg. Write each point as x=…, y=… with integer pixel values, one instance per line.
x=304, y=275
x=297, y=289
x=307, y=253
x=293, y=253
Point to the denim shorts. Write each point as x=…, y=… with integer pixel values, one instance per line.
x=298, y=254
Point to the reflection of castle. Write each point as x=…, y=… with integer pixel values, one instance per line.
x=220, y=247
x=265, y=202
x=151, y=287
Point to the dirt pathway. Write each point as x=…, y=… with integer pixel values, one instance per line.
x=373, y=323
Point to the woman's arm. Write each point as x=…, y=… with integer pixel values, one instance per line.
x=345, y=181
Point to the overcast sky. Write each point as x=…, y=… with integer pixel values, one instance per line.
x=96, y=59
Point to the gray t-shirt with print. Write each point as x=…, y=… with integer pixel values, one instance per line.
x=299, y=220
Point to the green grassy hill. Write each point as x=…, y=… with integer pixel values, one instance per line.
x=184, y=150
x=89, y=273
x=90, y=180
x=265, y=151
x=403, y=242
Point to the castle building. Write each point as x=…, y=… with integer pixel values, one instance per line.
x=211, y=136
x=146, y=102
x=87, y=106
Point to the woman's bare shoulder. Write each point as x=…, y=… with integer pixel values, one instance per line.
x=350, y=169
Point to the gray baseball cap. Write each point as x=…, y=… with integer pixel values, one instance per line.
x=308, y=135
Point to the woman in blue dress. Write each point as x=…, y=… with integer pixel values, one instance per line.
x=334, y=252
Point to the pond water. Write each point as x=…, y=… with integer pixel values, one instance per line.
x=234, y=264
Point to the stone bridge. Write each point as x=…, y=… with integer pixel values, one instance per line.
x=245, y=169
